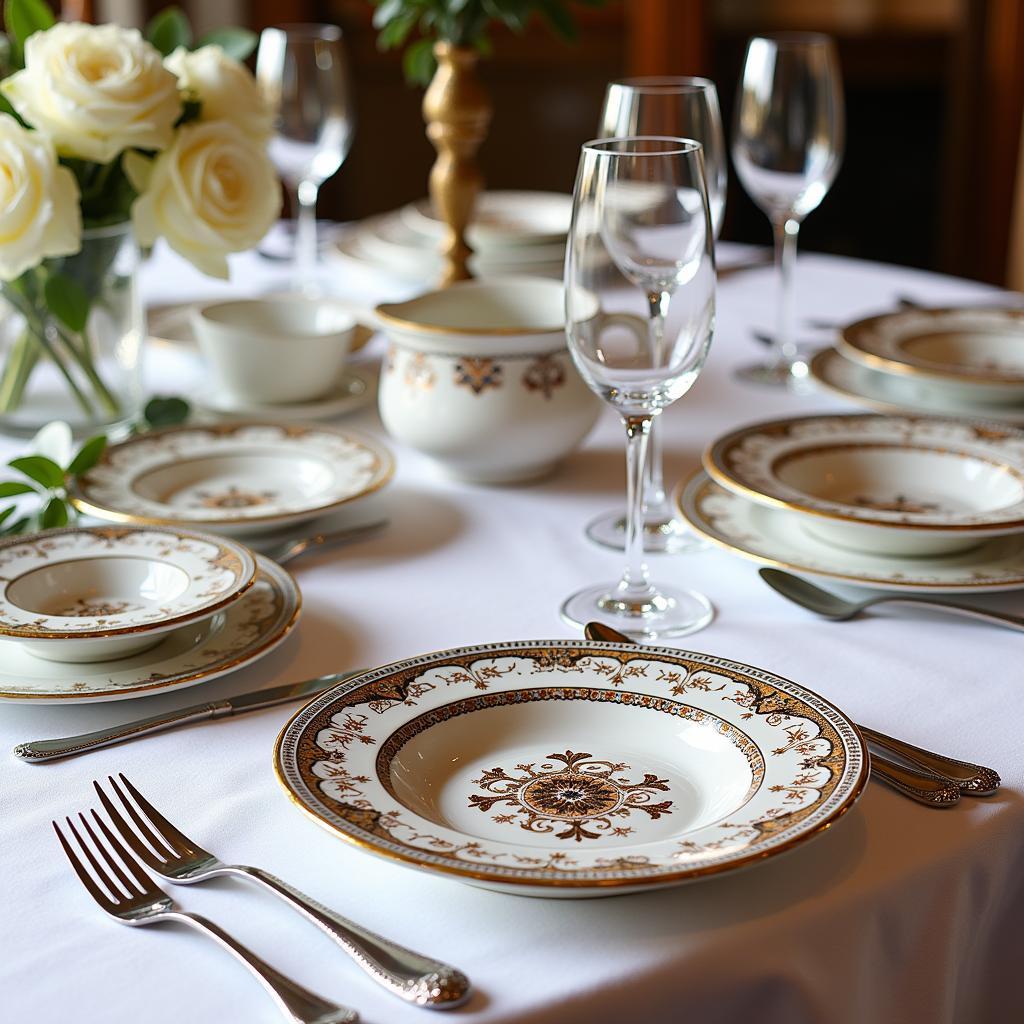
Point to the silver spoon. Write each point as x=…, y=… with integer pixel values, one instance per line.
x=839, y=609
x=286, y=550
x=926, y=786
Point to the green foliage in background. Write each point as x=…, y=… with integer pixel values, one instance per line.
x=44, y=483
x=461, y=23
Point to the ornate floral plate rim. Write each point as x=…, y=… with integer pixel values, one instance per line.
x=227, y=557
x=759, y=542
x=746, y=461
x=328, y=723
x=147, y=450
x=274, y=601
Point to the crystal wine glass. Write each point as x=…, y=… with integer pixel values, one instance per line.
x=787, y=147
x=640, y=307
x=676, y=106
x=303, y=74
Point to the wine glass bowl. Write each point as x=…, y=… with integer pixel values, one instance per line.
x=640, y=307
x=788, y=139
x=680, y=107
x=303, y=76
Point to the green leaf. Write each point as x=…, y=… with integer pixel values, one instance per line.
x=168, y=30
x=39, y=468
x=559, y=18
x=7, y=512
x=23, y=18
x=54, y=514
x=67, y=301
x=418, y=62
x=10, y=488
x=395, y=31
x=88, y=455
x=235, y=42
x=388, y=10
x=166, y=412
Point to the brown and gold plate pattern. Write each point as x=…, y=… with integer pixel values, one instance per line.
x=569, y=768
x=243, y=633
x=233, y=477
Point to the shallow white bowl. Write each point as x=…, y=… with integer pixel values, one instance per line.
x=890, y=484
x=280, y=349
x=98, y=593
x=572, y=768
x=478, y=377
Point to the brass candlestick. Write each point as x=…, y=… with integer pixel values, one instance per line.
x=458, y=113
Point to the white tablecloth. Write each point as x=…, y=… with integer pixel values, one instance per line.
x=899, y=913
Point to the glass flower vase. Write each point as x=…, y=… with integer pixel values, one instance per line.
x=71, y=333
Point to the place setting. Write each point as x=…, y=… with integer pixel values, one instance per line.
x=446, y=725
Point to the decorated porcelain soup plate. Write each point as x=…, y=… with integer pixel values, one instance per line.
x=572, y=768
x=894, y=485
x=88, y=595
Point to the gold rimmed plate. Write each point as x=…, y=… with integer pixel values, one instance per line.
x=975, y=352
x=572, y=768
x=889, y=392
x=238, y=636
x=892, y=484
x=771, y=536
x=233, y=478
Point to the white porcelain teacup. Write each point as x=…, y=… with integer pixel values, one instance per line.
x=479, y=378
x=289, y=348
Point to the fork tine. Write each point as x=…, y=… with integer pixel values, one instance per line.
x=130, y=862
x=83, y=876
x=168, y=832
x=144, y=853
x=111, y=863
x=116, y=895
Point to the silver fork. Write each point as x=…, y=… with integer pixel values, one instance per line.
x=142, y=902
x=410, y=976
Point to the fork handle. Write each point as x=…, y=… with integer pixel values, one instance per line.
x=298, y=1004
x=409, y=975
x=973, y=779
x=925, y=788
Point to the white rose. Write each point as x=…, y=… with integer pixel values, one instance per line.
x=224, y=87
x=95, y=90
x=39, y=212
x=213, y=192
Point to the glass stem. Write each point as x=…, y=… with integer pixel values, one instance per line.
x=655, y=500
x=305, y=234
x=786, y=230
x=635, y=585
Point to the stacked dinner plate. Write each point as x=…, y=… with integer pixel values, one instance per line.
x=966, y=361
x=166, y=595
x=512, y=233
x=902, y=503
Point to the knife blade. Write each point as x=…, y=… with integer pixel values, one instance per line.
x=38, y=751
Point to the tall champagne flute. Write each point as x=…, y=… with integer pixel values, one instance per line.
x=787, y=146
x=640, y=307
x=676, y=106
x=303, y=74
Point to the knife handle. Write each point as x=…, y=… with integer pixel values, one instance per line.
x=37, y=751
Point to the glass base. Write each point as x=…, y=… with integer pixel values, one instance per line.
x=670, y=611
x=794, y=376
x=661, y=536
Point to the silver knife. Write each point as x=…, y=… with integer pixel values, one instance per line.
x=37, y=751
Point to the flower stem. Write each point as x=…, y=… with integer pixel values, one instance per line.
x=17, y=369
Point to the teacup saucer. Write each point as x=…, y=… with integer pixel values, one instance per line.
x=243, y=633
x=354, y=391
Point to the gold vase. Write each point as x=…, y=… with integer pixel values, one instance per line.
x=458, y=113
